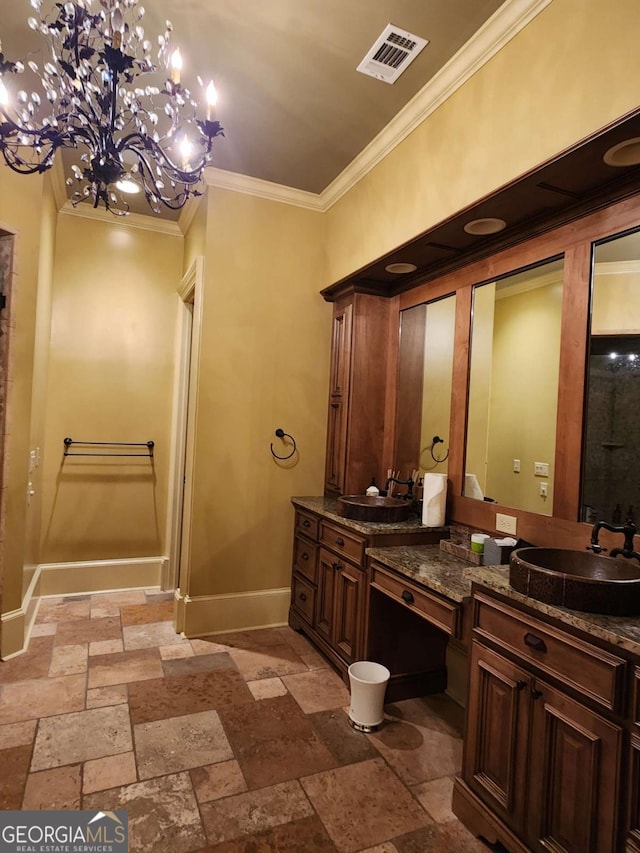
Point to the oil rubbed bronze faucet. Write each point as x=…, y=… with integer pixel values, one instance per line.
x=628, y=529
x=408, y=483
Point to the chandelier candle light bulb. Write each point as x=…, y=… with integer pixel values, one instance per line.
x=212, y=99
x=96, y=104
x=176, y=66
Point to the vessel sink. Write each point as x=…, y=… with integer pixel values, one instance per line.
x=579, y=580
x=369, y=508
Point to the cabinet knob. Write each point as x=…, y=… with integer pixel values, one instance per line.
x=520, y=685
x=337, y=566
x=303, y=596
x=304, y=555
x=340, y=541
x=535, y=694
x=407, y=596
x=306, y=523
x=535, y=643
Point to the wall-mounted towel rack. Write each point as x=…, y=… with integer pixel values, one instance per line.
x=280, y=433
x=68, y=442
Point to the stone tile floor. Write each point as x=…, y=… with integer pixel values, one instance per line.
x=240, y=743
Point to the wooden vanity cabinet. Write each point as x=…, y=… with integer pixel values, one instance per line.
x=328, y=587
x=543, y=766
x=355, y=426
x=633, y=803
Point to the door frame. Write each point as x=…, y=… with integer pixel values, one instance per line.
x=185, y=405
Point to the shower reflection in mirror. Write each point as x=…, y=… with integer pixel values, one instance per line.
x=611, y=448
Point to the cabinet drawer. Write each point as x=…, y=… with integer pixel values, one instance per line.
x=303, y=598
x=304, y=558
x=591, y=671
x=307, y=524
x=340, y=541
x=439, y=612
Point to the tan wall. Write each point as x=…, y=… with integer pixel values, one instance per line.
x=480, y=377
x=436, y=393
x=196, y=237
x=264, y=365
x=616, y=307
x=48, y=225
x=571, y=71
x=524, y=396
x=110, y=379
x=20, y=201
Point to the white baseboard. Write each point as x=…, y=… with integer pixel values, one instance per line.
x=16, y=625
x=94, y=576
x=207, y=615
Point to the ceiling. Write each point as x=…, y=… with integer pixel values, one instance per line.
x=295, y=110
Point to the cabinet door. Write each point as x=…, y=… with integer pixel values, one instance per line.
x=633, y=837
x=338, y=400
x=574, y=776
x=494, y=763
x=328, y=566
x=348, y=614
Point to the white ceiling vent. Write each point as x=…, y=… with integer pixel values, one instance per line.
x=391, y=54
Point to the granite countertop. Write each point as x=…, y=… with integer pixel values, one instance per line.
x=621, y=631
x=328, y=508
x=452, y=577
x=429, y=566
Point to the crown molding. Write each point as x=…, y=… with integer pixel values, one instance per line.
x=617, y=267
x=512, y=17
x=131, y=220
x=214, y=177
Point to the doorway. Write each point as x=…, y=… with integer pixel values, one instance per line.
x=185, y=394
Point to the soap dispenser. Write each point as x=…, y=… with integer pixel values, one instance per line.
x=372, y=490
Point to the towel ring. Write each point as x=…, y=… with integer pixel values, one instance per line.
x=438, y=440
x=280, y=433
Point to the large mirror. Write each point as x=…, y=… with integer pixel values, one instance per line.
x=611, y=459
x=423, y=402
x=513, y=389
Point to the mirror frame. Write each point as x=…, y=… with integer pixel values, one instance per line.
x=573, y=240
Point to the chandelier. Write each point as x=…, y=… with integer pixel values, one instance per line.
x=131, y=134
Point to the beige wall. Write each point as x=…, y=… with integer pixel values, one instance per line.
x=196, y=237
x=114, y=311
x=37, y=442
x=20, y=206
x=436, y=392
x=616, y=307
x=524, y=396
x=480, y=376
x=571, y=71
x=264, y=364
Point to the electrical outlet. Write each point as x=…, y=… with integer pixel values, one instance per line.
x=506, y=523
x=544, y=490
x=516, y=466
x=541, y=469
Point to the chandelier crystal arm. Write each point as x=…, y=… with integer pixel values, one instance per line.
x=97, y=100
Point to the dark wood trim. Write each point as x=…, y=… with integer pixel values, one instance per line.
x=391, y=396
x=459, y=391
x=573, y=359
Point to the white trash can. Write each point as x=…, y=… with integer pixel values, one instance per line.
x=368, y=683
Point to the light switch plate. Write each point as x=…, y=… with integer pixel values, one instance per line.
x=541, y=469
x=506, y=523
